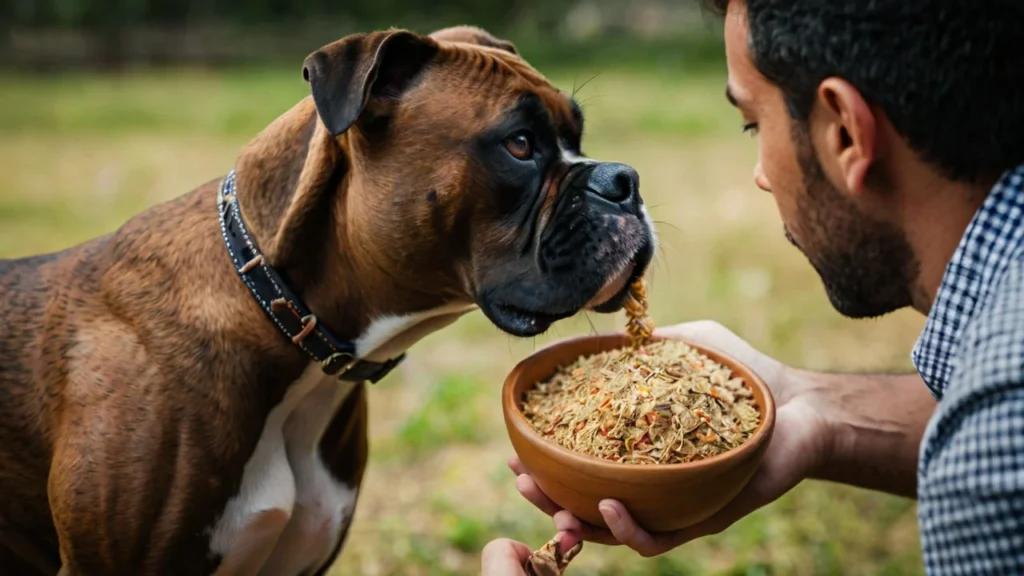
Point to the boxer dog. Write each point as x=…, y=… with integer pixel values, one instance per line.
x=186, y=395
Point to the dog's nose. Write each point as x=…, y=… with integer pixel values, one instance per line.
x=615, y=182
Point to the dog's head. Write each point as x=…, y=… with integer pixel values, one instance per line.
x=465, y=169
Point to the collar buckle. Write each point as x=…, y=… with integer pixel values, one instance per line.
x=338, y=363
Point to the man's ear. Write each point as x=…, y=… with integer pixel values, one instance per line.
x=344, y=75
x=850, y=132
x=473, y=35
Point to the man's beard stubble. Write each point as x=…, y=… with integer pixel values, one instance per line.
x=866, y=265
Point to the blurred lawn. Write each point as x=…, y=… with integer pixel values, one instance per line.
x=80, y=154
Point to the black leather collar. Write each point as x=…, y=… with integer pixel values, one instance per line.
x=285, y=309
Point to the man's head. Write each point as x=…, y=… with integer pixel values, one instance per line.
x=859, y=107
x=464, y=179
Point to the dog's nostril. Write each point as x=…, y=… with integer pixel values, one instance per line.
x=614, y=181
x=624, y=183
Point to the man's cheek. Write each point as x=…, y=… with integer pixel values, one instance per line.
x=789, y=215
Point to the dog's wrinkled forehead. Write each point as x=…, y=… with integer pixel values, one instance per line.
x=416, y=96
x=494, y=86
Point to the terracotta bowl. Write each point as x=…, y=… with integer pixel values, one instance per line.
x=659, y=497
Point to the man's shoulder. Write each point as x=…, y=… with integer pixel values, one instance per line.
x=1006, y=290
x=971, y=471
x=998, y=324
x=988, y=366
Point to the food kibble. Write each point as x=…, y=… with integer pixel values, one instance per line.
x=652, y=402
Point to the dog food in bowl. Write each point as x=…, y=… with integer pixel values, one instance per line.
x=670, y=428
x=646, y=403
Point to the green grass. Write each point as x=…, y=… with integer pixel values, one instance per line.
x=451, y=414
x=80, y=154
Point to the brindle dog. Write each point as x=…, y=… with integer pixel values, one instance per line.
x=157, y=418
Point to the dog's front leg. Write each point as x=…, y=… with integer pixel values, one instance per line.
x=345, y=450
x=130, y=501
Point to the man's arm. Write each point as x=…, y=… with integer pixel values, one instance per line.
x=876, y=423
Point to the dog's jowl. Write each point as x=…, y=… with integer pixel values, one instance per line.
x=188, y=394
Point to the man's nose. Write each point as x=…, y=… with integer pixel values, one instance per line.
x=760, y=179
x=614, y=182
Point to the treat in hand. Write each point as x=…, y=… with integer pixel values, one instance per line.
x=549, y=561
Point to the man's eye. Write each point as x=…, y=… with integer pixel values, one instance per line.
x=519, y=146
x=750, y=128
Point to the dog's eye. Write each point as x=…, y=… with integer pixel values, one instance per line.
x=519, y=146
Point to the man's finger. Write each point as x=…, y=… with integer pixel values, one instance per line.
x=529, y=489
x=567, y=541
x=504, y=557
x=566, y=522
x=626, y=530
x=516, y=465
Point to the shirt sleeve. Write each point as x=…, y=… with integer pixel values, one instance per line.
x=971, y=474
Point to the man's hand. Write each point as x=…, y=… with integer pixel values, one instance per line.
x=843, y=428
x=504, y=557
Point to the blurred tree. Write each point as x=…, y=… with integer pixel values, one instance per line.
x=42, y=34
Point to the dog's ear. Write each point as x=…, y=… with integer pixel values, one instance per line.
x=344, y=75
x=473, y=35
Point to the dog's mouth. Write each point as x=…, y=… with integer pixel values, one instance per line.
x=527, y=320
x=522, y=322
x=612, y=296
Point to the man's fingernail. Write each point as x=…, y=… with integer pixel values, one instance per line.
x=611, y=515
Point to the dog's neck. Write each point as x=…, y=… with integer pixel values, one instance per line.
x=289, y=182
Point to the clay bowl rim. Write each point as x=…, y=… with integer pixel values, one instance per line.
x=761, y=434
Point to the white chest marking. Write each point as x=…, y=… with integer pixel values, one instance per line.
x=388, y=336
x=289, y=511
x=323, y=506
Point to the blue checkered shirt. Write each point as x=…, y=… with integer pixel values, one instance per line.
x=971, y=356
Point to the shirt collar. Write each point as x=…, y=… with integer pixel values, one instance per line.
x=994, y=235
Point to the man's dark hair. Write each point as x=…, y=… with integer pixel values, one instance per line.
x=949, y=74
